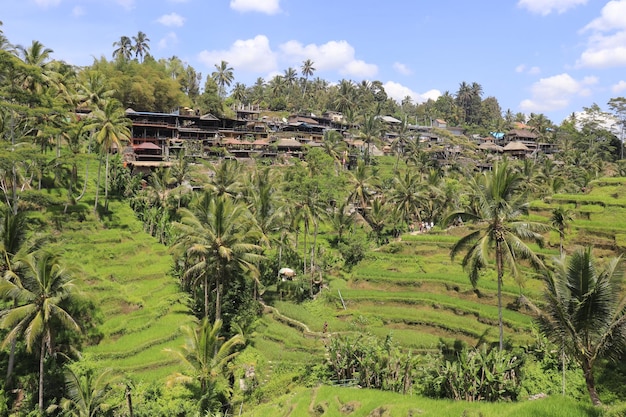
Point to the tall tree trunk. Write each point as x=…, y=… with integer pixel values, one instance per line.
x=206, y=295
x=306, y=233
x=500, y=270
x=218, y=290
x=95, y=205
x=42, y=354
x=589, y=380
x=106, y=185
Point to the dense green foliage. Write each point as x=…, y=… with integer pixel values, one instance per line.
x=374, y=299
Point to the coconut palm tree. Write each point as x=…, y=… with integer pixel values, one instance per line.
x=13, y=231
x=124, y=49
x=342, y=220
x=361, y=185
x=406, y=195
x=220, y=239
x=36, y=54
x=141, y=46
x=112, y=128
x=560, y=219
x=239, y=93
x=334, y=145
x=87, y=392
x=226, y=179
x=92, y=90
x=307, y=71
x=44, y=294
x=345, y=97
x=223, y=77
x=206, y=355
x=370, y=130
x=501, y=231
x=584, y=309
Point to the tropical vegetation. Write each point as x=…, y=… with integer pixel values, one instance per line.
x=216, y=286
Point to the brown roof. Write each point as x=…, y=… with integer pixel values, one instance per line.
x=490, y=146
x=522, y=133
x=289, y=143
x=147, y=145
x=515, y=146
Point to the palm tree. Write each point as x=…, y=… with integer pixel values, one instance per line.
x=369, y=132
x=345, y=96
x=362, y=184
x=277, y=86
x=239, y=93
x=124, y=48
x=406, y=195
x=206, y=355
x=585, y=311
x=307, y=71
x=141, y=46
x=500, y=233
x=92, y=90
x=223, y=76
x=342, y=220
x=219, y=237
x=44, y=294
x=13, y=231
x=334, y=145
x=87, y=392
x=226, y=179
x=112, y=128
x=36, y=54
x=560, y=219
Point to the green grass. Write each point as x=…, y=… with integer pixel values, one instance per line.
x=125, y=271
x=354, y=402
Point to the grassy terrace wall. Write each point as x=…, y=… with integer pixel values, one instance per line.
x=125, y=271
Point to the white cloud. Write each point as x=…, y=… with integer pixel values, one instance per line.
x=262, y=6
x=613, y=16
x=545, y=7
x=78, y=11
x=606, y=46
x=619, y=87
x=254, y=55
x=127, y=4
x=604, y=51
x=169, y=40
x=172, y=19
x=402, y=68
x=555, y=93
x=522, y=68
x=398, y=92
x=47, y=3
x=333, y=55
x=359, y=69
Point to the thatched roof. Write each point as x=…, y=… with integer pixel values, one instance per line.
x=522, y=133
x=515, y=146
x=490, y=146
x=147, y=145
x=288, y=143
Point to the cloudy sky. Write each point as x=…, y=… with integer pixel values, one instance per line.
x=544, y=56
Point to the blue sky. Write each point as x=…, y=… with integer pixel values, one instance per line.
x=544, y=56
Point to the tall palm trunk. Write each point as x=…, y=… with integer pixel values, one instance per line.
x=500, y=270
x=206, y=294
x=218, y=293
x=42, y=353
x=106, y=185
x=95, y=205
x=589, y=380
x=11, y=363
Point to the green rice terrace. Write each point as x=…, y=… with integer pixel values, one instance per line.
x=408, y=289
